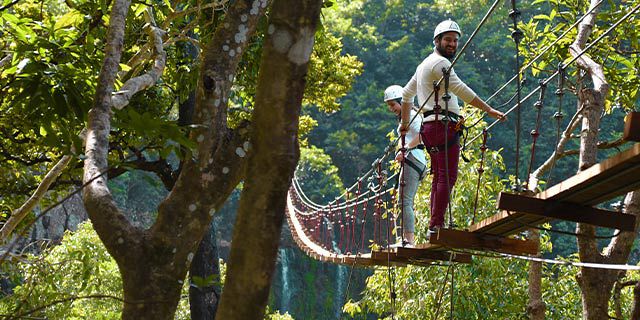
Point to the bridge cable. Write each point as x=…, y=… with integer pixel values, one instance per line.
x=535, y=133
x=517, y=35
x=565, y=65
x=483, y=149
x=558, y=115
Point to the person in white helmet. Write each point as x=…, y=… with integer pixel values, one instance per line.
x=444, y=157
x=415, y=164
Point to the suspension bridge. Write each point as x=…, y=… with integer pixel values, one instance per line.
x=359, y=227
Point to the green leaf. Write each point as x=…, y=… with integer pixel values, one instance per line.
x=72, y=18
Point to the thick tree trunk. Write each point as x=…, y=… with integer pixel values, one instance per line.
x=151, y=286
x=536, y=307
x=203, y=300
x=635, y=310
x=154, y=262
x=274, y=156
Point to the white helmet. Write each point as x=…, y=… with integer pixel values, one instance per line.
x=446, y=26
x=392, y=92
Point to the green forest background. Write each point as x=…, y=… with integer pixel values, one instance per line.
x=363, y=47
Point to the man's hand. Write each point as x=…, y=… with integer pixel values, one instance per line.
x=399, y=156
x=404, y=128
x=497, y=114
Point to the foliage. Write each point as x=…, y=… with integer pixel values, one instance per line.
x=76, y=279
x=48, y=83
x=617, y=52
x=317, y=175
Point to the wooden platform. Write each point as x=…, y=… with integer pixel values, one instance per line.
x=632, y=127
x=459, y=239
x=571, y=199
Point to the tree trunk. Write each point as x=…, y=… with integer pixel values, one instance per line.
x=635, y=310
x=536, y=307
x=596, y=284
x=153, y=263
x=203, y=300
x=274, y=156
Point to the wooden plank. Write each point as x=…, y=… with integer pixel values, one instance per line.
x=384, y=258
x=566, y=211
x=601, y=182
x=477, y=241
x=419, y=254
x=360, y=261
x=632, y=127
x=505, y=223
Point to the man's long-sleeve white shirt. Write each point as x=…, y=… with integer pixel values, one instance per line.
x=412, y=139
x=421, y=83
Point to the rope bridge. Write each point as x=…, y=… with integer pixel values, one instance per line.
x=359, y=228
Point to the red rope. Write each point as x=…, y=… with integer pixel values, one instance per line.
x=364, y=222
x=535, y=133
x=483, y=148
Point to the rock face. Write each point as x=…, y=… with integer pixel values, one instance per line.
x=50, y=228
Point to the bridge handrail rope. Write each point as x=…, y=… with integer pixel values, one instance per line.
x=308, y=202
x=346, y=204
x=574, y=59
x=317, y=207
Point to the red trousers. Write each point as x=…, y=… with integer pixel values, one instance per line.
x=444, y=166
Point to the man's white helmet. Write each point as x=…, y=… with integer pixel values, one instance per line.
x=446, y=26
x=392, y=92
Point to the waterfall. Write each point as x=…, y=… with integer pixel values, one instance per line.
x=340, y=288
x=286, y=290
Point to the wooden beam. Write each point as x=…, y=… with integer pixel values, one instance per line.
x=420, y=254
x=484, y=242
x=601, y=182
x=566, y=211
x=505, y=223
x=632, y=127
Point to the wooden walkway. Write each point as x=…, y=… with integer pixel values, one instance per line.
x=570, y=200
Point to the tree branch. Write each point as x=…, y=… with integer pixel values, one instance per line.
x=115, y=231
x=9, y=5
x=6, y=59
x=602, y=145
x=558, y=153
x=19, y=214
x=121, y=98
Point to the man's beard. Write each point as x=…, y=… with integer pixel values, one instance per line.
x=443, y=52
